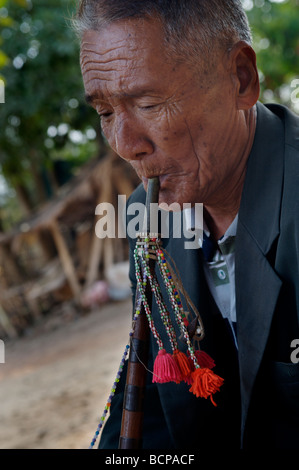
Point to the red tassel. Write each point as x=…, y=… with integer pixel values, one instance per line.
x=166, y=368
x=184, y=365
x=204, y=360
x=205, y=383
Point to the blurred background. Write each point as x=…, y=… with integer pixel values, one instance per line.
x=55, y=167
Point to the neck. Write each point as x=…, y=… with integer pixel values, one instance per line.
x=220, y=214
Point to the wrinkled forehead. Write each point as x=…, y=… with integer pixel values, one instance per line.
x=123, y=55
x=125, y=38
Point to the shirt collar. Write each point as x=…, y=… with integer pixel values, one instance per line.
x=194, y=222
x=231, y=231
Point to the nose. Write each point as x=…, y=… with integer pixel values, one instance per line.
x=131, y=140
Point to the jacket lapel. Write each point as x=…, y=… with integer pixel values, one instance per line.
x=257, y=284
x=257, y=288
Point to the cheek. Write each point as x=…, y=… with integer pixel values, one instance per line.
x=172, y=143
x=107, y=130
x=175, y=140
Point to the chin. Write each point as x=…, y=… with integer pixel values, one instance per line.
x=178, y=199
x=170, y=201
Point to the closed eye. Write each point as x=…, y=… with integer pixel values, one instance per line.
x=149, y=107
x=104, y=113
x=107, y=114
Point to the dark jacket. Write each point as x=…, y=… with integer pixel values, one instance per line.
x=258, y=405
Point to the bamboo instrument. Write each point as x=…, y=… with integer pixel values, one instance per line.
x=132, y=417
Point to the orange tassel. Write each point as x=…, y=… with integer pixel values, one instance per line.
x=166, y=368
x=184, y=365
x=205, y=383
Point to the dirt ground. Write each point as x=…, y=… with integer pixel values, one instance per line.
x=56, y=379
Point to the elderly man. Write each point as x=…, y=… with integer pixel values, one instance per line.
x=176, y=86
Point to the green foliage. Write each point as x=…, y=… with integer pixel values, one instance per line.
x=275, y=28
x=44, y=100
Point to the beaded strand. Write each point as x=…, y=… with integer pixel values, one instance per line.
x=112, y=392
x=141, y=285
x=162, y=307
x=175, y=301
x=117, y=378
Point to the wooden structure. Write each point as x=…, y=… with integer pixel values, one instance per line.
x=55, y=254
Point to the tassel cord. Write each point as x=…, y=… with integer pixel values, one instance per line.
x=162, y=307
x=176, y=302
x=141, y=285
x=178, y=283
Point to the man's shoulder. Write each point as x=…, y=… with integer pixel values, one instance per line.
x=291, y=124
x=290, y=193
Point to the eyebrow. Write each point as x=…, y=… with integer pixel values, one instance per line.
x=90, y=98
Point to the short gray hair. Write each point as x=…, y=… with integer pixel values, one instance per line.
x=193, y=28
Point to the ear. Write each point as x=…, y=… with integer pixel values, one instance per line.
x=242, y=60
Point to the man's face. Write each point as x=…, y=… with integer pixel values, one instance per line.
x=162, y=116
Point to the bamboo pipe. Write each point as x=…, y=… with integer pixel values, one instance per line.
x=132, y=417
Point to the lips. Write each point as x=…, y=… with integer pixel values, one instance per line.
x=162, y=179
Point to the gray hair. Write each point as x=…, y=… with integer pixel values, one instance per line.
x=193, y=28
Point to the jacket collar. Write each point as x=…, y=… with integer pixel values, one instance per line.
x=261, y=198
x=257, y=284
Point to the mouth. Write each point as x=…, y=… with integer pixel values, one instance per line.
x=162, y=179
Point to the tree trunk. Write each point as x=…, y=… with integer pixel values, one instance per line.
x=23, y=198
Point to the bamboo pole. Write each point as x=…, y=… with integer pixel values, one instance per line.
x=98, y=245
x=66, y=259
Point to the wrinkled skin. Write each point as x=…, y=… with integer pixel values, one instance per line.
x=192, y=128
